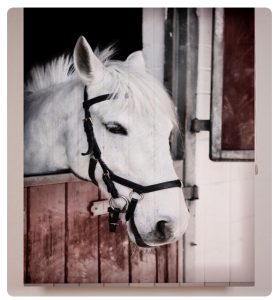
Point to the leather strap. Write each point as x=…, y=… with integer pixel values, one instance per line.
x=96, y=100
x=91, y=170
x=141, y=189
x=131, y=208
x=137, y=236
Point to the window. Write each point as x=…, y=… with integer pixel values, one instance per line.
x=232, y=103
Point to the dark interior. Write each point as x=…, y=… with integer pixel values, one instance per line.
x=49, y=32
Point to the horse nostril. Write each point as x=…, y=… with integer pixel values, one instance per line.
x=161, y=227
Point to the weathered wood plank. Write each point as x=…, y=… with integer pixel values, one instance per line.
x=172, y=263
x=143, y=265
x=46, y=234
x=113, y=253
x=161, y=254
x=81, y=234
x=50, y=179
x=180, y=260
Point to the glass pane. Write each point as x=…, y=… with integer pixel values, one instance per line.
x=238, y=80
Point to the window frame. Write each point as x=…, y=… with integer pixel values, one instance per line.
x=216, y=151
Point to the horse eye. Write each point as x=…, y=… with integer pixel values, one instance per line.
x=116, y=128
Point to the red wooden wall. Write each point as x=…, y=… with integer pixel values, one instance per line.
x=65, y=243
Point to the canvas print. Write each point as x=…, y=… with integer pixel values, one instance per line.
x=139, y=145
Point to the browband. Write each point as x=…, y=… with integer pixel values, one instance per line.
x=96, y=100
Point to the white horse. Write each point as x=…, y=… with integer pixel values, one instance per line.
x=132, y=133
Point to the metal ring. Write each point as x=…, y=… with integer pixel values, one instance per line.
x=122, y=197
x=132, y=194
x=85, y=119
x=106, y=173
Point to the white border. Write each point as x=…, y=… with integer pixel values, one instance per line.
x=151, y=3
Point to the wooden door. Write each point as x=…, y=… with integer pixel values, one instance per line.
x=66, y=243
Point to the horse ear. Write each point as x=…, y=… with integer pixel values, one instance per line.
x=136, y=61
x=88, y=66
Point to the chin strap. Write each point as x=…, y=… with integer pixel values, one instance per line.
x=109, y=177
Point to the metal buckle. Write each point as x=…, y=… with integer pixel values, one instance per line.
x=89, y=118
x=114, y=207
x=107, y=174
x=131, y=195
x=93, y=157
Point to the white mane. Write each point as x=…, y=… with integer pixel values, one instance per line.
x=148, y=94
x=52, y=73
x=59, y=70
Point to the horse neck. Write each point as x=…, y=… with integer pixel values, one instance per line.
x=51, y=120
x=68, y=102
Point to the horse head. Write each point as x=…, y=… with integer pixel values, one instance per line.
x=132, y=132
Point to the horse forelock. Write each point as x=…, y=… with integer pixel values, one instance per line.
x=147, y=96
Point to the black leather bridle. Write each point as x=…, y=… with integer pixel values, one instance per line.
x=109, y=177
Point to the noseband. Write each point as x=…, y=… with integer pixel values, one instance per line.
x=137, y=190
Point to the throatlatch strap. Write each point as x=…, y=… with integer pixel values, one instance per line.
x=91, y=170
x=89, y=135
